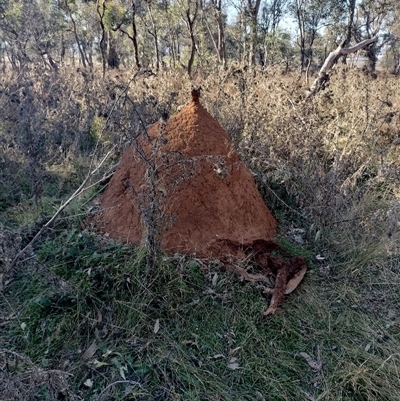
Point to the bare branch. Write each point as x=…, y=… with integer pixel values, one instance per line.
x=331, y=60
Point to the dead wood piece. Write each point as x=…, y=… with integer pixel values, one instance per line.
x=295, y=281
x=288, y=276
x=294, y=270
x=253, y=278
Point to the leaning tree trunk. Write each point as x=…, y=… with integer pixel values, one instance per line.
x=331, y=60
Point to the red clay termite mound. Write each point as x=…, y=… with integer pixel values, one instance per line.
x=183, y=186
x=184, y=181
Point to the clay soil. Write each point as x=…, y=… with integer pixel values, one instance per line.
x=183, y=180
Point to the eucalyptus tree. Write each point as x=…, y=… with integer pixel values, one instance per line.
x=189, y=16
x=30, y=32
x=392, y=55
x=117, y=17
x=371, y=20
x=213, y=11
x=311, y=16
x=152, y=27
x=163, y=25
x=71, y=8
x=274, y=41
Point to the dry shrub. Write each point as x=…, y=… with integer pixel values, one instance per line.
x=331, y=154
x=20, y=379
x=332, y=158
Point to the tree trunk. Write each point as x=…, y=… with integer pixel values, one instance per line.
x=134, y=36
x=113, y=58
x=372, y=57
x=190, y=22
x=350, y=22
x=82, y=55
x=103, y=41
x=331, y=60
x=253, y=9
x=154, y=34
x=221, y=36
x=220, y=44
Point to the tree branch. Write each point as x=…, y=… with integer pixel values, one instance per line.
x=331, y=60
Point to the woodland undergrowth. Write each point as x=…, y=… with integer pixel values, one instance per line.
x=82, y=318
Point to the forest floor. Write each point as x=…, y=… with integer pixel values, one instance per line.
x=83, y=318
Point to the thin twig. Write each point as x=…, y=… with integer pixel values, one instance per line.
x=279, y=199
x=119, y=382
x=78, y=192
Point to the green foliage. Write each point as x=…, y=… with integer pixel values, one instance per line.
x=115, y=15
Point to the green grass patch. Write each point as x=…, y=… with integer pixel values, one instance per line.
x=91, y=309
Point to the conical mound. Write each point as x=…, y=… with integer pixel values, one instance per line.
x=184, y=182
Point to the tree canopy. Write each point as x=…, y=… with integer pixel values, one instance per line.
x=189, y=34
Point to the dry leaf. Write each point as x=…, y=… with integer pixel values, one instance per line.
x=190, y=342
x=320, y=258
x=233, y=364
x=308, y=396
x=295, y=281
x=315, y=365
x=214, y=279
x=295, y=266
x=99, y=317
x=156, y=326
x=233, y=351
x=88, y=383
x=90, y=351
x=107, y=353
x=218, y=356
x=193, y=342
x=122, y=371
x=317, y=379
x=259, y=396
x=97, y=364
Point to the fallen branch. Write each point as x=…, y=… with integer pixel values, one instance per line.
x=331, y=60
x=287, y=279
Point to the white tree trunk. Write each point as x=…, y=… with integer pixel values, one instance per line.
x=331, y=60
